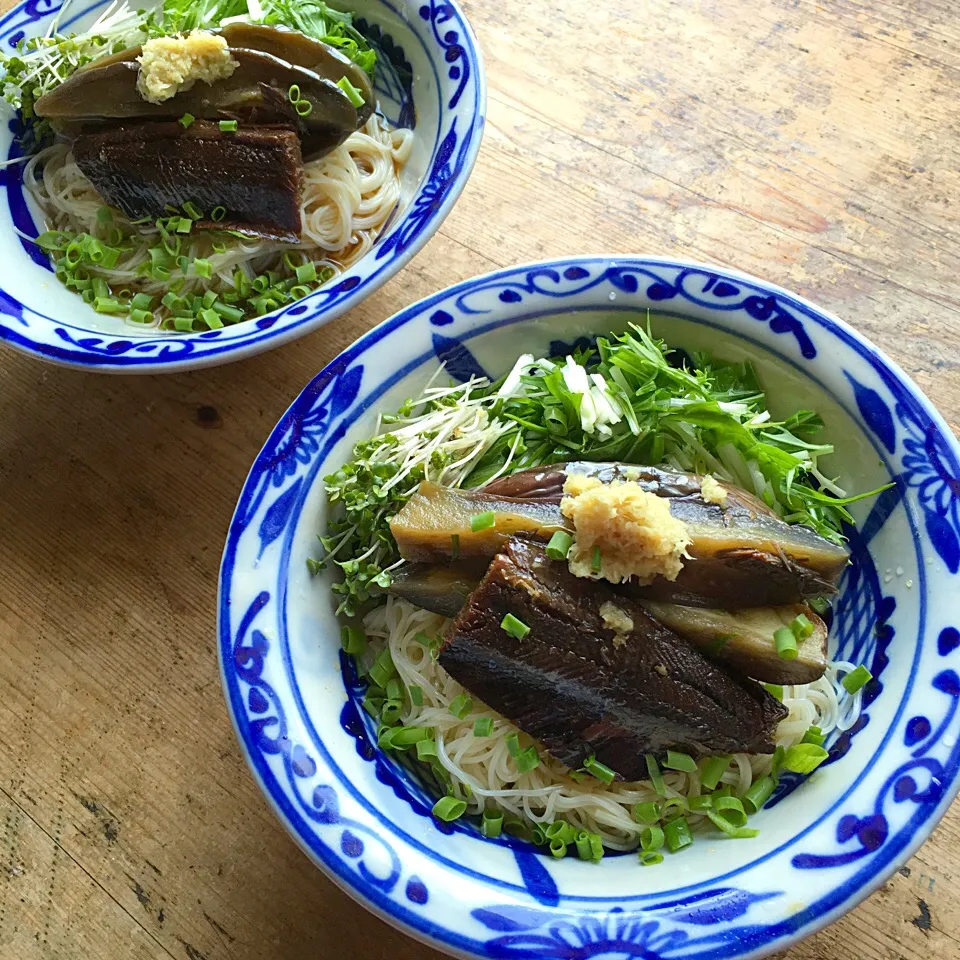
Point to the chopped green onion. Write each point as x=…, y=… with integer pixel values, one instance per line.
x=211, y=319
x=723, y=824
x=804, y=757
x=786, y=643
x=777, y=765
x=646, y=812
x=228, y=126
x=409, y=736
x=416, y=694
x=449, y=808
x=421, y=637
x=651, y=838
x=454, y=546
x=461, y=705
x=559, y=545
x=293, y=94
x=426, y=749
x=600, y=770
x=142, y=301
x=303, y=107
x=680, y=761
x=813, y=735
x=104, y=215
x=714, y=769
x=186, y=120
x=856, y=679
x=673, y=807
x=775, y=690
x=183, y=324
x=210, y=298
x=597, y=561
x=538, y=835
x=513, y=626
x=353, y=94
x=391, y=712
x=801, y=626
x=527, y=760
x=393, y=690
x=730, y=809
x=758, y=794
x=558, y=848
x=513, y=745
x=596, y=847
x=650, y=858
x=107, y=305
x=820, y=605
x=218, y=213
x=656, y=778
x=353, y=640
x=229, y=314
x=701, y=803
x=185, y=225
x=373, y=708
x=141, y=316
x=191, y=210
x=483, y=521
x=100, y=288
x=677, y=834
x=306, y=273
x=482, y=727
x=201, y=267
x=582, y=840
x=492, y=823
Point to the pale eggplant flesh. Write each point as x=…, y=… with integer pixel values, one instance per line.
x=585, y=688
x=741, y=639
x=741, y=554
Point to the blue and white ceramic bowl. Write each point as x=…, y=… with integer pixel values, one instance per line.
x=429, y=76
x=821, y=848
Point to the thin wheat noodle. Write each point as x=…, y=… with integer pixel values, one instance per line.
x=485, y=766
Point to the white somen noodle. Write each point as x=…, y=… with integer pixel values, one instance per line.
x=548, y=793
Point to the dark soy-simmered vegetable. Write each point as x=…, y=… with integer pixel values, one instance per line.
x=740, y=555
x=594, y=674
x=742, y=639
x=257, y=92
x=256, y=173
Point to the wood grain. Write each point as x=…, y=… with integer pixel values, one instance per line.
x=813, y=144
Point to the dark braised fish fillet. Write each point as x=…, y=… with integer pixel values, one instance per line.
x=583, y=683
x=255, y=173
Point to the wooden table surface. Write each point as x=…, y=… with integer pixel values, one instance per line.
x=813, y=144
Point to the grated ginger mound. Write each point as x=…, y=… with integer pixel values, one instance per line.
x=712, y=491
x=637, y=535
x=617, y=620
x=169, y=65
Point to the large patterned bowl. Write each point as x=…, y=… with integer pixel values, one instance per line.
x=429, y=76
x=823, y=845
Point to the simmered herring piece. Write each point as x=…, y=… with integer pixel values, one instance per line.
x=595, y=674
x=256, y=173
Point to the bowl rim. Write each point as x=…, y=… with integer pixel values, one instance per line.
x=117, y=353
x=851, y=893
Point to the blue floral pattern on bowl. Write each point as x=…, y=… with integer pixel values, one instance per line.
x=366, y=821
x=430, y=78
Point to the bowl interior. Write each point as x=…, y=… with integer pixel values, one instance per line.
x=823, y=843
x=418, y=76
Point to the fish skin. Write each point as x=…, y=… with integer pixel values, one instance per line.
x=583, y=690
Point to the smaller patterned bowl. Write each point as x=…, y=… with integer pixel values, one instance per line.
x=429, y=77
x=822, y=847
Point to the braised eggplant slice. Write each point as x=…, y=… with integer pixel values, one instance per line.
x=743, y=639
x=440, y=588
x=256, y=173
x=740, y=555
x=303, y=51
x=437, y=522
x=595, y=674
x=256, y=92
